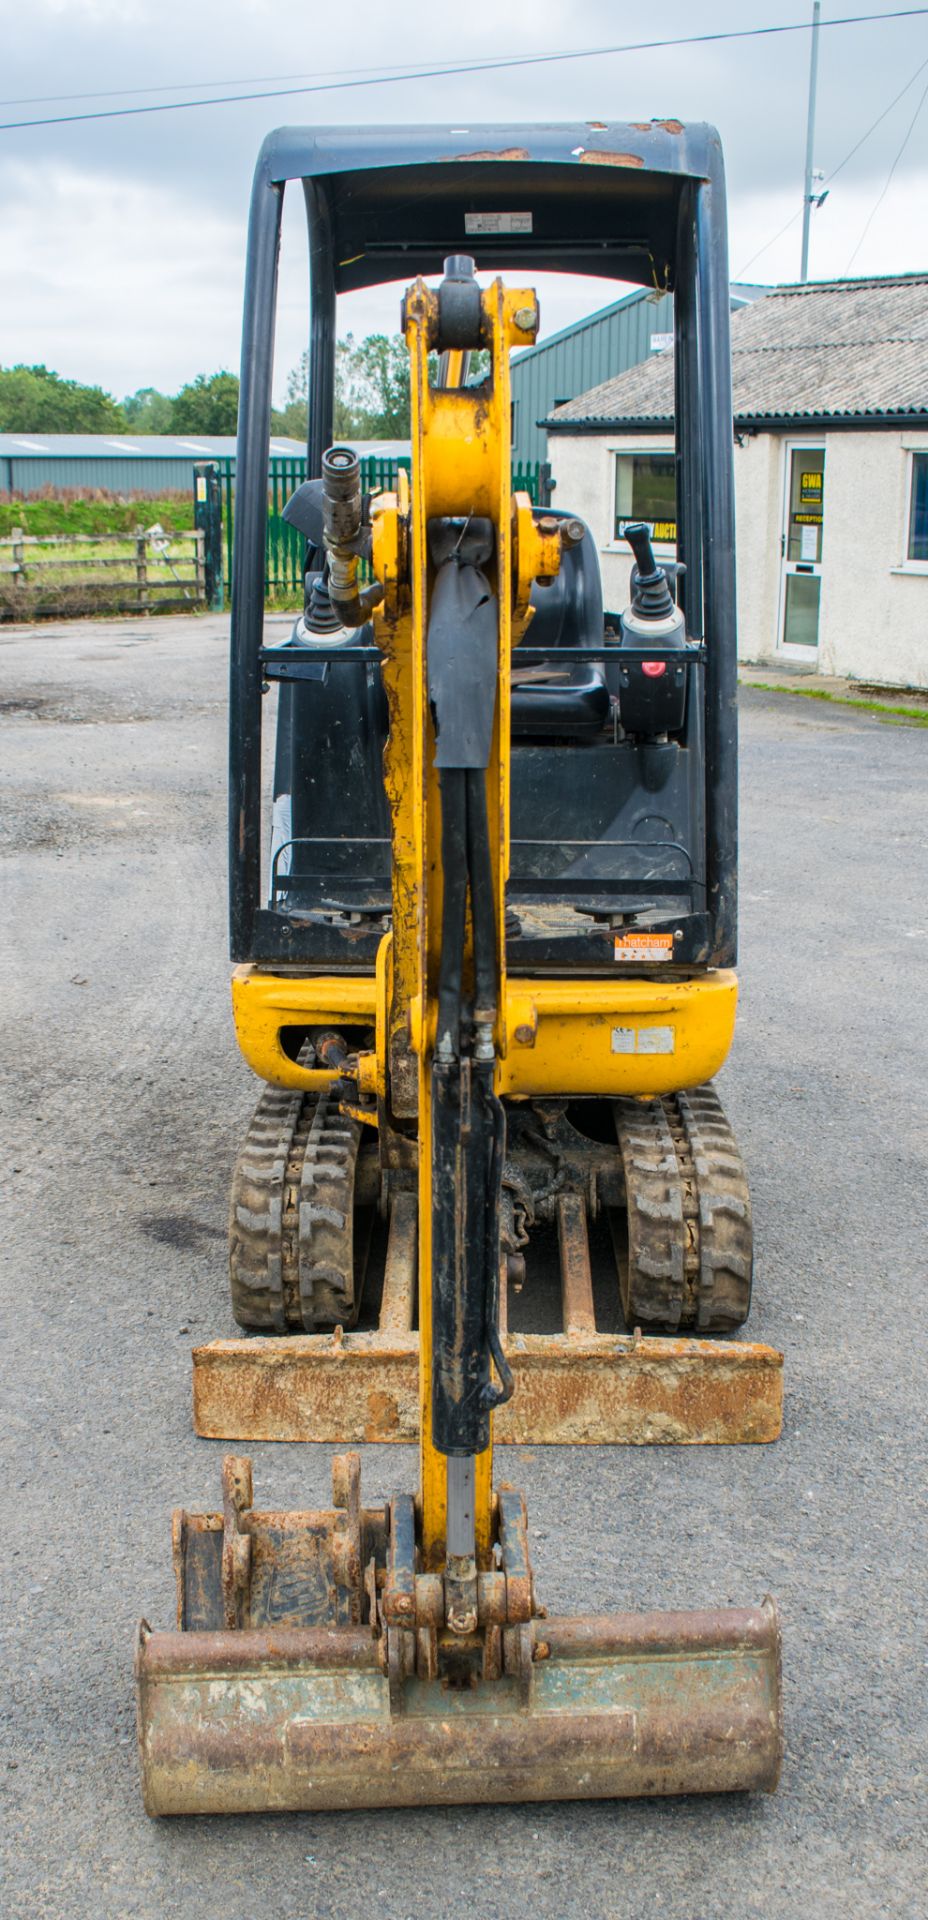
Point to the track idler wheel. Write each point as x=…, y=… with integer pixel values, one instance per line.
x=690, y=1256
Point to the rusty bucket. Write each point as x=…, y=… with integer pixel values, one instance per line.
x=311, y=1670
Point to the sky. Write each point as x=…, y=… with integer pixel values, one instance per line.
x=122, y=240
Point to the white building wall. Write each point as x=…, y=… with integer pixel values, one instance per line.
x=874, y=623
x=874, y=606
x=584, y=470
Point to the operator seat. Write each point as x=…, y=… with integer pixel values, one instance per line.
x=562, y=700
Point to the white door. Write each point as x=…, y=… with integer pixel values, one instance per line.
x=801, y=551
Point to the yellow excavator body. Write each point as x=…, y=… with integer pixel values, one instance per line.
x=399, y=1654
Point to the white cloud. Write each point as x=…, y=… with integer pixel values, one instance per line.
x=895, y=242
x=114, y=282
x=122, y=242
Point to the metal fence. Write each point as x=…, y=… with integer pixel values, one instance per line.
x=283, y=553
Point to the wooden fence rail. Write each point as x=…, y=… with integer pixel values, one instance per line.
x=155, y=572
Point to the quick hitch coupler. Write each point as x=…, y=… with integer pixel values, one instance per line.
x=347, y=537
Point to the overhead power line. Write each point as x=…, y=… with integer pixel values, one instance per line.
x=464, y=67
x=178, y=86
x=889, y=178
x=828, y=178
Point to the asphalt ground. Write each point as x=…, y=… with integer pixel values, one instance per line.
x=123, y=1100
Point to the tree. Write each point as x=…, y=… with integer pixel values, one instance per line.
x=148, y=411
x=372, y=381
x=36, y=400
x=208, y=404
x=371, y=389
x=292, y=418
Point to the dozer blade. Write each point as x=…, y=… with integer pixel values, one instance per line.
x=310, y=1672
x=581, y=1388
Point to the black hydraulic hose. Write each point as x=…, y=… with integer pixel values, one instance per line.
x=453, y=794
x=480, y=868
x=493, y=1396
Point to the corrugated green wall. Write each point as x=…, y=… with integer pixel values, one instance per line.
x=581, y=357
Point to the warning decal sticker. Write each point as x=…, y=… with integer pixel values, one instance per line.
x=643, y=1040
x=648, y=947
x=497, y=223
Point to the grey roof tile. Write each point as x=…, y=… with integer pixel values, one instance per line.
x=843, y=347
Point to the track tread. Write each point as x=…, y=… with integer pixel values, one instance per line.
x=291, y=1216
x=690, y=1256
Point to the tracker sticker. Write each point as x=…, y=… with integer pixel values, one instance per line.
x=651, y=948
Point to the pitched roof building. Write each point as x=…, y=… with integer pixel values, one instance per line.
x=835, y=351
x=830, y=406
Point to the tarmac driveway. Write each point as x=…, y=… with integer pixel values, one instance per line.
x=123, y=1100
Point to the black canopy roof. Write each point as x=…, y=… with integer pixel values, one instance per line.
x=585, y=198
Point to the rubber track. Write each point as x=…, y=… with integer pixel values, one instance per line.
x=291, y=1228
x=689, y=1215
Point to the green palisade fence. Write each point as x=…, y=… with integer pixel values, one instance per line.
x=283, y=554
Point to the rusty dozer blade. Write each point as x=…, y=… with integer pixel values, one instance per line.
x=313, y=1668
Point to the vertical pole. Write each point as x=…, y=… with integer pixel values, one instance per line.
x=141, y=567
x=254, y=429
x=686, y=419
x=19, y=557
x=207, y=518
x=716, y=441
x=321, y=414
x=810, y=143
x=228, y=481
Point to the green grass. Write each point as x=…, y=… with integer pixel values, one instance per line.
x=60, y=581
x=893, y=715
x=45, y=515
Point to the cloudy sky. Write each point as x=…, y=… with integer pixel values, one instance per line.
x=121, y=240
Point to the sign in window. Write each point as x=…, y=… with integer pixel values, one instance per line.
x=918, y=509
x=806, y=505
x=646, y=489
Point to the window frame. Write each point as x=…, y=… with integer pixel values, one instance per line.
x=907, y=565
x=664, y=549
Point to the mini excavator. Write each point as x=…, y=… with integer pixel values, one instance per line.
x=487, y=978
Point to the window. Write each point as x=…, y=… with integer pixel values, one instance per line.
x=918, y=509
x=646, y=489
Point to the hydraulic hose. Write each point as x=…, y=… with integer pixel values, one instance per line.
x=454, y=907
x=480, y=869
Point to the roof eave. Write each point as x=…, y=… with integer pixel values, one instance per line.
x=745, y=422
x=652, y=423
